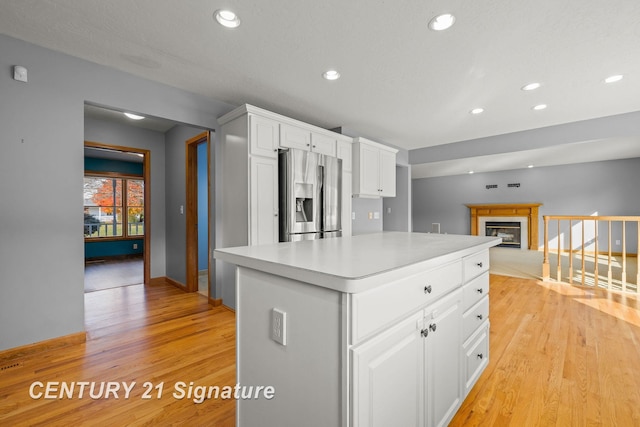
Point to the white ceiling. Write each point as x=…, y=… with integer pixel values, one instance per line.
x=401, y=83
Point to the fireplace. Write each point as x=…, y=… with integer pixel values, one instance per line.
x=508, y=231
x=525, y=214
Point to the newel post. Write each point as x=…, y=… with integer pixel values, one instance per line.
x=545, y=262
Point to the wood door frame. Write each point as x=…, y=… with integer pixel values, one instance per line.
x=191, y=157
x=146, y=176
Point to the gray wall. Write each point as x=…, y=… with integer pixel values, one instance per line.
x=41, y=173
x=602, y=188
x=397, y=210
x=176, y=196
x=130, y=136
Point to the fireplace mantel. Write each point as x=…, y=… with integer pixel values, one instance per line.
x=529, y=210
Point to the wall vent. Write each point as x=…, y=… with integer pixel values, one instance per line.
x=11, y=366
x=515, y=185
x=490, y=186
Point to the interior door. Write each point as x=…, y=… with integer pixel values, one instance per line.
x=198, y=213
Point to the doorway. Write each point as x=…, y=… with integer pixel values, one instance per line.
x=198, y=213
x=116, y=216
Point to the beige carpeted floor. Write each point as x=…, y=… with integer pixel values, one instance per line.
x=528, y=264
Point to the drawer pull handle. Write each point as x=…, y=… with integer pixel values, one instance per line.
x=432, y=327
x=480, y=356
x=427, y=289
x=479, y=316
x=479, y=290
x=479, y=264
x=424, y=333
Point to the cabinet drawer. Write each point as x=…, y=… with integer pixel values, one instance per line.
x=474, y=317
x=475, y=265
x=475, y=290
x=374, y=309
x=476, y=357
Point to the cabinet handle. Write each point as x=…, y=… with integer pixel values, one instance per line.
x=313, y=146
x=480, y=356
x=308, y=145
x=275, y=214
x=427, y=289
x=479, y=264
x=432, y=327
x=424, y=333
x=275, y=149
x=479, y=290
x=479, y=316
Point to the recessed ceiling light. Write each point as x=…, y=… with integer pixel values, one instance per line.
x=477, y=110
x=134, y=116
x=613, y=79
x=531, y=86
x=227, y=18
x=540, y=107
x=442, y=22
x=470, y=172
x=331, y=75
x=530, y=166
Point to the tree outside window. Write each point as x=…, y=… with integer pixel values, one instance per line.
x=106, y=199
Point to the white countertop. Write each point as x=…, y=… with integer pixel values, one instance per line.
x=355, y=264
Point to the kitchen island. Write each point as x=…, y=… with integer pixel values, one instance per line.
x=378, y=329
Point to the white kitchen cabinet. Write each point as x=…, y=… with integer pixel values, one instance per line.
x=443, y=360
x=388, y=377
x=420, y=356
x=264, y=136
x=264, y=201
x=305, y=139
x=374, y=169
x=475, y=318
x=323, y=144
x=377, y=340
x=295, y=137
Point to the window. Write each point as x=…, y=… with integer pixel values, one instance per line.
x=113, y=207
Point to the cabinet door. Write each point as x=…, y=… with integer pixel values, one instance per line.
x=387, y=173
x=443, y=359
x=264, y=136
x=323, y=144
x=295, y=137
x=263, y=217
x=369, y=170
x=388, y=377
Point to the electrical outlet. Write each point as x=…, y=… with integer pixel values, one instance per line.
x=617, y=242
x=376, y=215
x=135, y=246
x=279, y=326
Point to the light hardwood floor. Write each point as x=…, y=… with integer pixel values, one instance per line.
x=560, y=356
x=156, y=334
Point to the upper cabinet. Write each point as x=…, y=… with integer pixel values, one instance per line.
x=374, y=169
x=305, y=139
x=264, y=136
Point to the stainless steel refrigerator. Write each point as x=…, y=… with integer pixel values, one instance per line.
x=310, y=195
